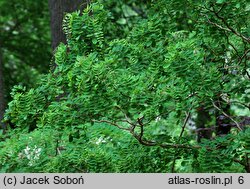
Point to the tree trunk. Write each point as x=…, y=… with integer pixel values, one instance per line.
x=2, y=98
x=58, y=8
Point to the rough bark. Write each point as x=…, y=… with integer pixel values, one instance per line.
x=58, y=8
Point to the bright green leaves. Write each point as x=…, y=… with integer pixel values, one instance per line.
x=84, y=32
x=187, y=72
x=133, y=73
x=26, y=103
x=218, y=155
x=61, y=54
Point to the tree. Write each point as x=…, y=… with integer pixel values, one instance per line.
x=58, y=8
x=112, y=93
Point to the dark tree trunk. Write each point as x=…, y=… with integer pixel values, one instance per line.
x=223, y=123
x=58, y=8
x=202, y=119
x=2, y=98
x=248, y=166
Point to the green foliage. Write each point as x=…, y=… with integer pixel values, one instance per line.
x=223, y=154
x=24, y=42
x=117, y=102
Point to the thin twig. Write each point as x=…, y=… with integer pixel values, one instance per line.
x=58, y=150
x=235, y=49
x=112, y=123
x=128, y=120
x=185, y=123
x=223, y=6
x=179, y=146
x=244, y=55
x=215, y=24
x=139, y=137
x=229, y=27
x=182, y=131
x=225, y=114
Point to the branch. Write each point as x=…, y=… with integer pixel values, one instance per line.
x=139, y=137
x=244, y=55
x=112, y=123
x=58, y=150
x=191, y=95
x=229, y=27
x=141, y=128
x=185, y=123
x=248, y=75
x=222, y=7
x=236, y=51
x=127, y=119
x=236, y=123
x=183, y=146
x=215, y=24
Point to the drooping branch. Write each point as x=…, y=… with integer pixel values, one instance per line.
x=227, y=26
x=127, y=119
x=140, y=136
x=215, y=24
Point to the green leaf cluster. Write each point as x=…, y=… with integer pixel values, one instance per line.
x=116, y=102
